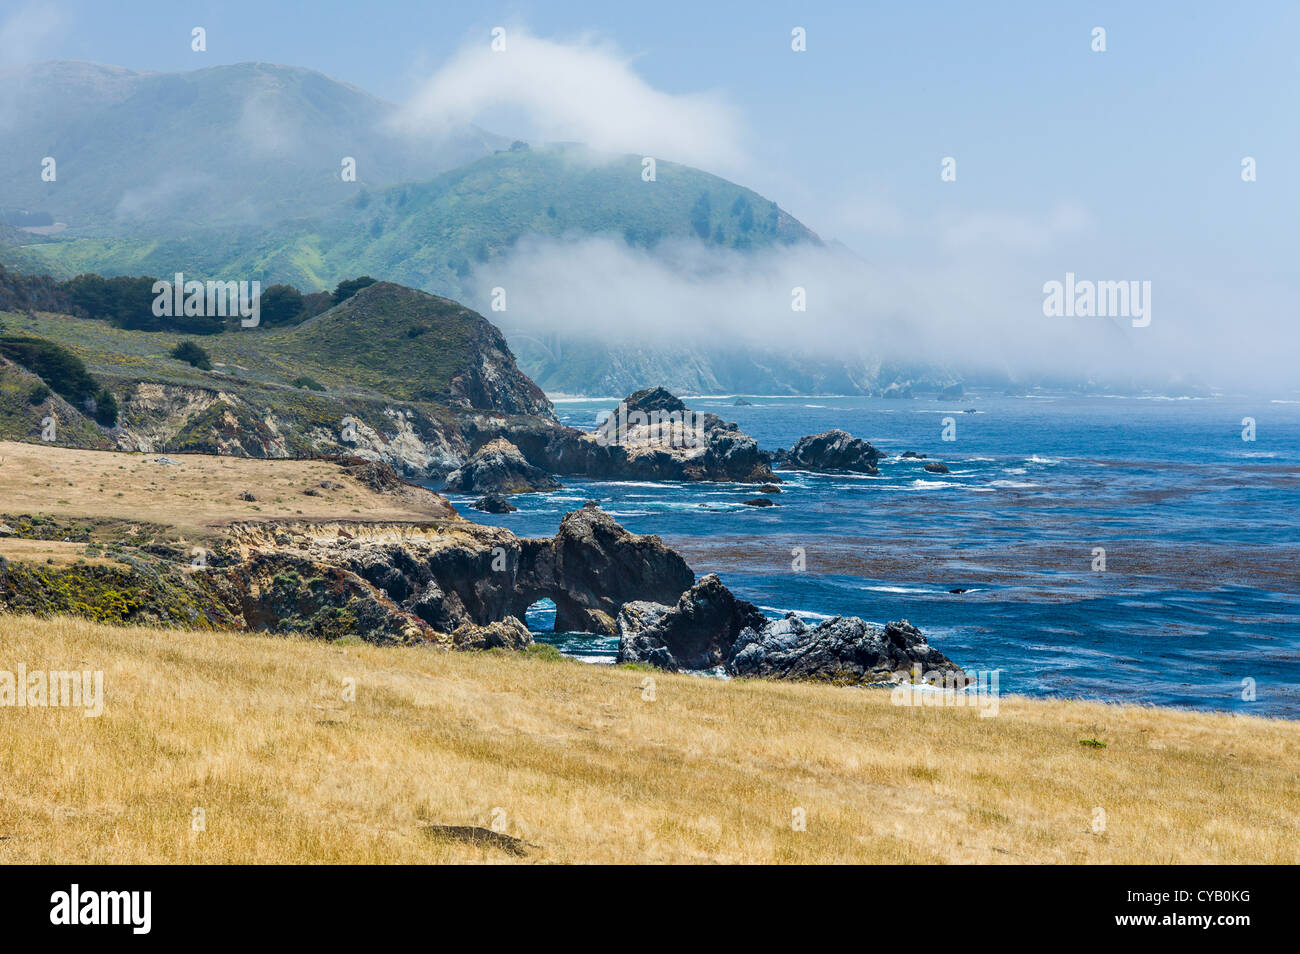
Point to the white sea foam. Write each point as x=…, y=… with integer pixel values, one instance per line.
x=897, y=589
x=805, y=614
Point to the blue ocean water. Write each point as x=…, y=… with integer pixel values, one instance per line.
x=1198, y=602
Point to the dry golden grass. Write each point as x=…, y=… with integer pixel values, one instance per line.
x=573, y=759
x=200, y=492
x=57, y=552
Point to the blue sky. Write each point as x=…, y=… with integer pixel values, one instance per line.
x=1125, y=163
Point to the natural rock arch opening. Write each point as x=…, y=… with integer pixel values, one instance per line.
x=540, y=615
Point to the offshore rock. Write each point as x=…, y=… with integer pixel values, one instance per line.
x=842, y=649
x=831, y=450
x=697, y=633
x=498, y=467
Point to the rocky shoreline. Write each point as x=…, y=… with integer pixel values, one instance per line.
x=652, y=435
x=449, y=583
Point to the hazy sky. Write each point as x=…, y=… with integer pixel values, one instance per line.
x=1117, y=165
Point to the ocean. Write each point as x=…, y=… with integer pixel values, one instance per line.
x=1125, y=549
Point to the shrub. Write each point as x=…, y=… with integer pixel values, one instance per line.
x=190, y=352
x=38, y=394
x=58, y=367
x=311, y=384
x=281, y=305
x=349, y=287
x=316, y=303
x=105, y=408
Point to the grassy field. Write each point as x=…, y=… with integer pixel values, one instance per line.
x=193, y=495
x=251, y=741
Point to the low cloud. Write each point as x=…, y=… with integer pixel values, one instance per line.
x=162, y=196
x=980, y=312
x=584, y=91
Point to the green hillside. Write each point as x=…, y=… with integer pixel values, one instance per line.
x=394, y=359
x=147, y=153
x=411, y=345
x=431, y=234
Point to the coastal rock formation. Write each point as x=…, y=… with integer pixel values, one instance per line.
x=428, y=582
x=594, y=566
x=951, y=392
x=842, y=649
x=655, y=425
x=709, y=627
x=508, y=633
x=698, y=633
x=494, y=503
x=651, y=435
x=934, y=467
x=831, y=450
x=292, y=593
x=498, y=467
x=419, y=574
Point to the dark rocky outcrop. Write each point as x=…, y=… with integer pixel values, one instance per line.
x=741, y=402
x=508, y=633
x=652, y=399
x=702, y=446
x=952, y=392
x=494, y=503
x=651, y=435
x=461, y=585
x=709, y=627
x=842, y=649
x=594, y=566
x=498, y=467
x=831, y=450
x=697, y=633
x=934, y=467
x=759, y=502
x=455, y=582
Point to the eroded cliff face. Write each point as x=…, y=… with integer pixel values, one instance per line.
x=453, y=584
x=166, y=418
x=493, y=381
x=650, y=435
x=444, y=581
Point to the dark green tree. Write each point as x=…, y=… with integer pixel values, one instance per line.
x=350, y=286
x=191, y=353
x=701, y=215
x=281, y=305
